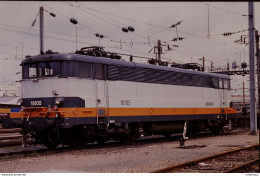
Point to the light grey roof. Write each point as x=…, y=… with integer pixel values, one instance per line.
x=86, y=58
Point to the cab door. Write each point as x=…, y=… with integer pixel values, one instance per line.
x=223, y=85
x=102, y=96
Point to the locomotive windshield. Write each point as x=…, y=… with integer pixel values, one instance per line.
x=41, y=69
x=57, y=68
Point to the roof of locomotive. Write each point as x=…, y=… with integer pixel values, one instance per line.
x=103, y=60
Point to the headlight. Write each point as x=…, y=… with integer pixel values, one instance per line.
x=59, y=101
x=20, y=102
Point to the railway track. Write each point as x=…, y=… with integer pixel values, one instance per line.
x=8, y=152
x=244, y=159
x=12, y=137
x=14, y=152
x=9, y=137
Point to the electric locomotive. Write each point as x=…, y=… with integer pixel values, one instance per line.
x=93, y=95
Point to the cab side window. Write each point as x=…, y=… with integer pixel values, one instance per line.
x=85, y=70
x=220, y=83
x=99, y=71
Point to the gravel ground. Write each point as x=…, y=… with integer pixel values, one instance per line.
x=136, y=158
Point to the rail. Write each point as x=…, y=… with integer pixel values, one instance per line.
x=193, y=166
x=11, y=137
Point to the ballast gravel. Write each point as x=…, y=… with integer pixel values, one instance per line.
x=135, y=158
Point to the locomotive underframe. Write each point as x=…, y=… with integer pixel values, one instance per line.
x=51, y=127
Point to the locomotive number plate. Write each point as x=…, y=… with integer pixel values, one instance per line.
x=125, y=102
x=36, y=103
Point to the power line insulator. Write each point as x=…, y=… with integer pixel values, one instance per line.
x=131, y=58
x=174, y=39
x=179, y=22
x=97, y=35
x=130, y=28
x=124, y=29
x=101, y=36
x=73, y=21
x=52, y=14
x=152, y=61
x=228, y=33
x=173, y=26
x=243, y=65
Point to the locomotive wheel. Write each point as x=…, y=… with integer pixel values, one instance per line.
x=87, y=133
x=191, y=132
x=192, y=129
x=102, y=140
x=215, y=130
x=50, y=139
x=131, y=137
x=127, y=139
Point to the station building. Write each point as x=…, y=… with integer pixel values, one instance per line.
x=10, y=89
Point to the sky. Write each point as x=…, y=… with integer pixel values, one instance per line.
x=202, y=25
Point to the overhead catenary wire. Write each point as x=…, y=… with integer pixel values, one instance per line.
x=94, y=10
x=92, y=31
x=216, y=59
x=35, y=34
x=150, y=24
x=135, y=43
x=46, y=31
x=122, y=17
x=17, y=46
x=103, y=19
x=70, y=40
x=223, y=9
x=162, y=27
x=51, y=37
x=84, y=26
x=138, y=33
